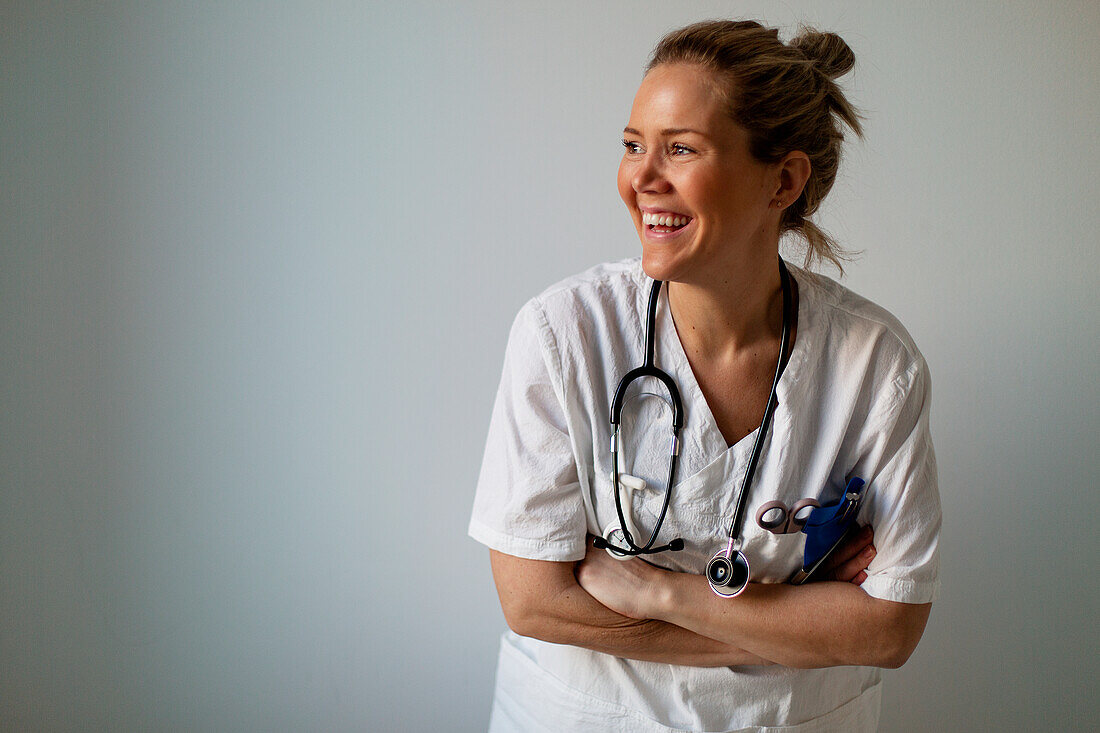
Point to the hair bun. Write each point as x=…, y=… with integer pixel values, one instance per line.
x=828, y=52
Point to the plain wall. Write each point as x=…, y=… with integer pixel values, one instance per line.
x=257, y=267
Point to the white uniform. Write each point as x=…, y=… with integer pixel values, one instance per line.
x=853, y=401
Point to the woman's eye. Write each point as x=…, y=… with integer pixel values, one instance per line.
x=632, y=147
x=681, y=149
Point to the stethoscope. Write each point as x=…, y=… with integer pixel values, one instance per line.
x=728, y=571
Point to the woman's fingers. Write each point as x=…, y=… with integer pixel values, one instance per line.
x=853, y=569
x=627, y=587
x=853, y=556
x=854, y=544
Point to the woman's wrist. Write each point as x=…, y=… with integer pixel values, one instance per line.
x=667, y=594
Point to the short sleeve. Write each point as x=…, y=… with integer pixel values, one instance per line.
x=903, y=496
x=528, y=501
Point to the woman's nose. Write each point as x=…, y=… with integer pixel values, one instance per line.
x=648, y=176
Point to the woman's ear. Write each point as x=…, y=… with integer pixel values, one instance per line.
x=794, y=171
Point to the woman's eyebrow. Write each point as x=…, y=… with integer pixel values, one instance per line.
x=667, y=131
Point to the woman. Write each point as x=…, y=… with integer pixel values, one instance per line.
x=732, y=141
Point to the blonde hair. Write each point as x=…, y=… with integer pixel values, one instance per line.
x=785, y=96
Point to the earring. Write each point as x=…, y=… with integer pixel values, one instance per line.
x=778, y=204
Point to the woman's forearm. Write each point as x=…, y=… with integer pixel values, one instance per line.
x=543, y=600
x=823, y=624
x=578, y=619
x=815, y=625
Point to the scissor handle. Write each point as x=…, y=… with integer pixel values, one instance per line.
x=775, y=526
x=796, y=522
x=787, y=521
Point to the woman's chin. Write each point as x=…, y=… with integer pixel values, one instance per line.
x=661, y=265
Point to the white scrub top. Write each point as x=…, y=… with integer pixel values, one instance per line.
x=853, y=401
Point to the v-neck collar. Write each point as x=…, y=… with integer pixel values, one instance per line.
x=700, y=434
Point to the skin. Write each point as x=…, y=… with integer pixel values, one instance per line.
x=816, y=625
x=545, y=600
x=683, y=155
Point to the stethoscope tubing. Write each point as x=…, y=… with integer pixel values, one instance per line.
x=773, y=402
x=648, y=369
x=647, y=548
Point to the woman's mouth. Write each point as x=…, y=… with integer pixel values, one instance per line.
x=664, y=223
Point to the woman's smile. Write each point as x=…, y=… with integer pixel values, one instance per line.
x=661, y=224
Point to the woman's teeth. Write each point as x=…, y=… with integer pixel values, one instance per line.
x=664, y=220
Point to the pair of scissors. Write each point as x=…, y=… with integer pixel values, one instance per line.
x=825, y=526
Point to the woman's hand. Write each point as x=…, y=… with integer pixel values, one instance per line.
x=849, y=562
x=630, y=587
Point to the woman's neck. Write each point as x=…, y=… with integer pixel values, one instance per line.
x=722, y=315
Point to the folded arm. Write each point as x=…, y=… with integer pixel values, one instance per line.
x=815, y=625
x=542, y=599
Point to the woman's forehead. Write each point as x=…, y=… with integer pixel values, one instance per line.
x=678, y=97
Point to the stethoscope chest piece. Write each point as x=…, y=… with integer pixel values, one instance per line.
x=614, y=537
x=728, y=572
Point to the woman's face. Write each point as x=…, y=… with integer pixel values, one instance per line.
x=686, y=159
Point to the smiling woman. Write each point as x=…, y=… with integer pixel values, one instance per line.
x=732, y=140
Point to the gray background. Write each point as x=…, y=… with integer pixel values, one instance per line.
x=257, y=268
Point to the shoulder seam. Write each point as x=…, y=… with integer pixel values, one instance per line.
x=892, y=328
